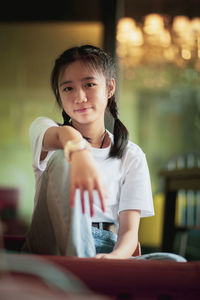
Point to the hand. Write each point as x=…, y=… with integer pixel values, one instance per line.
x=106, y=256
x=86, y=177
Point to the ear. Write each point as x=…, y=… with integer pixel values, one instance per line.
x=111, y=88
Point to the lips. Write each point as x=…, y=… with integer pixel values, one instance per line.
x=82, y=109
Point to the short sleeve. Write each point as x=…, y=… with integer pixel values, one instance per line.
x=136, y=190
x=36, y=132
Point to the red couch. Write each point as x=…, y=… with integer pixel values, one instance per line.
x=136, y=279
x=120, y=279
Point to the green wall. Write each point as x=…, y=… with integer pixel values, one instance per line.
x=27, y=54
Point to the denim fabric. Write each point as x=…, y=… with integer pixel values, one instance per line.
x=104, y=240
x=162, y=256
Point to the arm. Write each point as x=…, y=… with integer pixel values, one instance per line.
x=84, y=174
x=56, y=137
x=127, y=235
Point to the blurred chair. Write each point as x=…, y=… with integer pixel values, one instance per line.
x=12, y=224
x=181, y=174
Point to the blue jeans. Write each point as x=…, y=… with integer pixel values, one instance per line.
x=104, y=240
x=56, y=228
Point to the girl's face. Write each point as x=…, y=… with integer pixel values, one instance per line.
x=84, y=93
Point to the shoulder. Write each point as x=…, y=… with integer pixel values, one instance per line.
x=41, y=123
x=134, y=156
x=133, y=151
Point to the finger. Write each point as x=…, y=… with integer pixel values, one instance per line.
x=72, y=196
x=82, y=200
x=90, y=194
x=100, y=255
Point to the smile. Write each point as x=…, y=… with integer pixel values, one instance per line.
x=83, y=110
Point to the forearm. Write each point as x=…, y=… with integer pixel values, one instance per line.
x=57, y=137
x=127, y=236
x=126, y=245
x=84, y=174
x=128, y=233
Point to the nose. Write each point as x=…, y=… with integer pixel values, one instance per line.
x=80, y=96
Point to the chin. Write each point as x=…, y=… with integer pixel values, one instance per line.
x=84, y=121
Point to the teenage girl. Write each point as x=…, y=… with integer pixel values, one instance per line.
x=92, y=186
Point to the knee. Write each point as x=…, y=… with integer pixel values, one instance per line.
x=57, y=158
x=58, y=163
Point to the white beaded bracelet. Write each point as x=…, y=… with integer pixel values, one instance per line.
x=73, y=146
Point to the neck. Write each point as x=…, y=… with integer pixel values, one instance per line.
x=96, y=135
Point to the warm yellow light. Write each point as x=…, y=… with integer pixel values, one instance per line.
x=155, y=42
x=129, y=33
x=195, y=24
x=181, y=24
x=165, y=38
x=186, y=53
x=126, y=24
x=153, y=23
x=124, y=29
x=170, y=53
x=198, y=47
x=136, y=37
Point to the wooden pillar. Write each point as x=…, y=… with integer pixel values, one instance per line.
x=112, y=11
x=169, y=221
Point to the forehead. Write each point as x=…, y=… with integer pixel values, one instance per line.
x=78, y=70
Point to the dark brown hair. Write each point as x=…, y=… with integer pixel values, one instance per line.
x=102, y=62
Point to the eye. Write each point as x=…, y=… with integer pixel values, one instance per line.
x=90, y=84
x=67, y=88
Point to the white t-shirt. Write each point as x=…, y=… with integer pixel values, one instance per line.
x=127, y=179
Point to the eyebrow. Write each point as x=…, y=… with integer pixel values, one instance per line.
x=83, y=79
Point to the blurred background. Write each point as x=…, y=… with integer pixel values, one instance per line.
x=157, y=47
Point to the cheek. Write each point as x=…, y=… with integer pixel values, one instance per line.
x=103, y=93
x=65, y=105
x=65, y=99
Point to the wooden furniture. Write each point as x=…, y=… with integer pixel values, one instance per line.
x=50, y=276
x=186, y=179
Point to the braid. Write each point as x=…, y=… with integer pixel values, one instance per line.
x=120, y=132
x=112, y=105
x=66, y=118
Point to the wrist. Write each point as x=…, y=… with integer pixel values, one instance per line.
x=120, y=254
x=79, y=156
x=74, y=146
x=68, y=133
